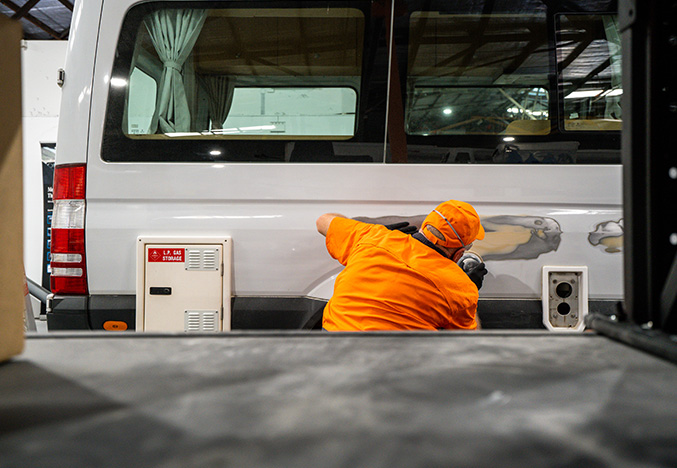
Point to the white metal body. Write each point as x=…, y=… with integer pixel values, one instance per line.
x=269, y=210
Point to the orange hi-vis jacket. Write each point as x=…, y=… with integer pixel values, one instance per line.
x=392, y=281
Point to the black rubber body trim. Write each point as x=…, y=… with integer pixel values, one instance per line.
x=68, y=313
x=276, y=313
x=527, y=314
x=90, y=312
x=285, y=313
x=113, y=308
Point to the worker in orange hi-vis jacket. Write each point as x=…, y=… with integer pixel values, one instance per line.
x=396, y=281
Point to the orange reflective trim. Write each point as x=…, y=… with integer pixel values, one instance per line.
x=114, y=325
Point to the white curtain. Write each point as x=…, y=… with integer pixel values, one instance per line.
x=198, y=100
x=173, y=33
x=220, y=90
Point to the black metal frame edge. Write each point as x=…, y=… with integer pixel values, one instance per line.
x=652, y=341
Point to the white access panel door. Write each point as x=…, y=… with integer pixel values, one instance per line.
x=183, y=288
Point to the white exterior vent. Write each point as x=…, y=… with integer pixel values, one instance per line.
x=202, y=259
x=201, y=321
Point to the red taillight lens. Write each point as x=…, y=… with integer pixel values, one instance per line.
x=68, y=263
x=69, y=182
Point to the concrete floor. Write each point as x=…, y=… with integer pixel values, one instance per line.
x=337, y=400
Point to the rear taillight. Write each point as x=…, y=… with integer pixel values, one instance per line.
x=69, y=271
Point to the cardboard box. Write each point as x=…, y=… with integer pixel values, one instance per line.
x=11, y=192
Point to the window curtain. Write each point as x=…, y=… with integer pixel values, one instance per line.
x=173, y=33
x=220, y=90
x=198, y=100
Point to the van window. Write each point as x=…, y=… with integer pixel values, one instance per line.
x=290, y=111
x=211, y=69
x=480, y=82
x=302, y=81
x=141, y=102
x=477, y=74
x=589, y=59
x=289, y=78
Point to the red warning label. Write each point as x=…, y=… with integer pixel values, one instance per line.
x=166, y=255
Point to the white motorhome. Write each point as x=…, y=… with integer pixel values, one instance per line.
x=235, y=124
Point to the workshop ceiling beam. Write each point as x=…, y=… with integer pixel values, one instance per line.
x=23, y=13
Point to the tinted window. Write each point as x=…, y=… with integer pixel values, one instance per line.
x=478, y=83
x=271, y=82
x=492, y=82
x=476, y=74
x=141, y=102
x=589, y=58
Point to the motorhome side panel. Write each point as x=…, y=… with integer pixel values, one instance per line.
x=77, y=87
x=240, y=178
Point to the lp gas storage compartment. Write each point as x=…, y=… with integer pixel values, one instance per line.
x=183, y=284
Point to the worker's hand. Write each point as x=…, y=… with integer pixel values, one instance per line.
x=477, y=274
x=404, y=226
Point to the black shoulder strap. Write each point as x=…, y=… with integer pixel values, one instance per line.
x=423, y=239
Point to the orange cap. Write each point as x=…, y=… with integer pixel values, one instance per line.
x=462, y=217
